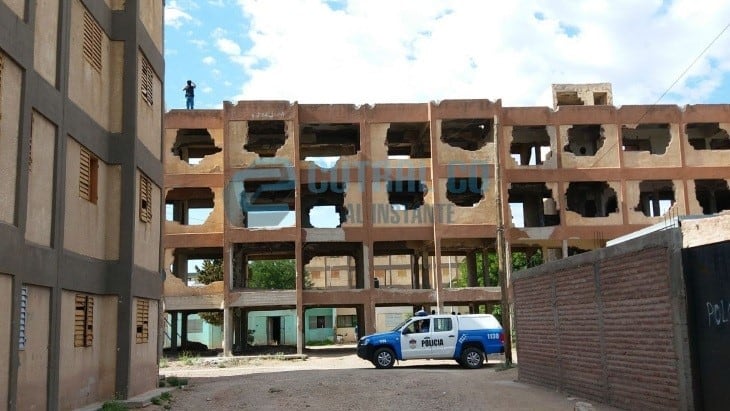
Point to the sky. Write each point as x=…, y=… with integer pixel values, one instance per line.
x=384, y=51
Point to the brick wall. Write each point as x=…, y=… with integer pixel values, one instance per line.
x=601, y=326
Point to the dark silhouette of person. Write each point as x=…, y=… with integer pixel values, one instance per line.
x=189, y=90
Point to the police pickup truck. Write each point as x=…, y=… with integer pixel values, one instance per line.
x=464, y=338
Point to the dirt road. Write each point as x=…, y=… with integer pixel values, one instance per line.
x=337, y=379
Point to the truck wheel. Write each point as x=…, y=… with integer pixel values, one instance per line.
x=472, y=357
x=383, y=358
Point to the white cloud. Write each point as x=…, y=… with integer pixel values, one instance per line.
x=209, y=60
x=228, y=46
x=217, y=3
x=207, y=90
x=370, y=51
x=175, y=16
x=201, y=44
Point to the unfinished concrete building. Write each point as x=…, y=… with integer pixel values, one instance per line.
x=80, y=198
x=377, y=205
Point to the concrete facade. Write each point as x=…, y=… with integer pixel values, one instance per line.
x=78, y=249
x=408, y=185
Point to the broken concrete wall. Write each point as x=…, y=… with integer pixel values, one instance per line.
x=239, y=157
x=384, y=215
x=614, y=218
x=644, y=158
x=212, y=163
x=482, y=212
x=213, y=224
x=633, y=199
x=695, y=208
x=516, y=135
x=607, y=154
x=594, y=94
x=707, y=157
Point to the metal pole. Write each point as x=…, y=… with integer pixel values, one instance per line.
x=501, y=247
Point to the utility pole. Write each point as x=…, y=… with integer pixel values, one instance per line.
x=501, y=248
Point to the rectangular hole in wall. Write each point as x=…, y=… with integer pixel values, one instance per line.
x=530, y=145
x=408, y=140
x=713, y=195
x=591, y=199
x=584, y=140
x=193, y=145
x=655, y=197
x=265, y=137
x=707, y=136
x=653, y=138
x=467, y=134
x=532, y=205
x=328, y=140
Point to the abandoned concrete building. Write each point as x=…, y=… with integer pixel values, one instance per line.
x=80, y=200
x=365, y=200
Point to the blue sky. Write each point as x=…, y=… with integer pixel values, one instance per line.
x=379, y=51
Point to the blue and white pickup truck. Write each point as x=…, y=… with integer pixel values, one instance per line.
x=464, y=338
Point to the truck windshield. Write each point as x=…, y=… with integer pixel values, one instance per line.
x=399, y=326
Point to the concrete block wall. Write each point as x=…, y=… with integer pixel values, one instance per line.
x=609, y=325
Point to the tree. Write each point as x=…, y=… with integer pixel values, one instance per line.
x=269, y=274
x=275, y=274
x=519, y=262
x=211, y=271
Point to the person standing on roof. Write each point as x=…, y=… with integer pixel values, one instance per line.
x=189, y=90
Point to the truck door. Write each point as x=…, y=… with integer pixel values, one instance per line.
x=415, y=339
x=443, y=338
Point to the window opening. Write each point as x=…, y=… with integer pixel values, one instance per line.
x=467, y=134
x=591, y=199
x=84, y=321
x=655, y=197
x=408, y=140
x=146, y=81
x=585, y=140
x=22, y=338
x=88, y=176
x=532, y=205
x=530, y=145
x=92, y=41
x=192, y=145
x=145, y=199
x=713, y=195
x=406, y=194
x=653, y=138
x=142, y=321
x=465, y=192
x=265, y=137
x=707, y=136
x=329, y=140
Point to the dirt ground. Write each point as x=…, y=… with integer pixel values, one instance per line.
x=338, y=379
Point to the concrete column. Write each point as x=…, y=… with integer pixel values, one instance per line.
x=531, y=212
x=425, y=273
x=173, y=331
x=485, y=266
x=415, y=272
x=471, y=269
x=238, y=337
x=227, y=332
x=655, y=203
x=300, y=329
x=369, y=319
x=565, y=248
x=184, y=333
x=244, y=328
x=181, y=266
